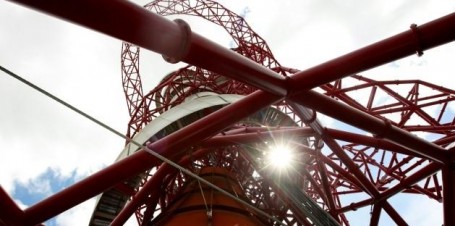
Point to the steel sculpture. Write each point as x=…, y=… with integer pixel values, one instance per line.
x=272, y=104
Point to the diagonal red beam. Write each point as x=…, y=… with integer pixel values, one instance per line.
x=407, y=182
x=131, y=23
x=362, y=120
x=435, y=33
x=393, y=214
x=201, y=52
x=414, y=105
x=376, y=214
x=367, y=185
x=363, y=180
x=10, y=213
x=141, y=161
x=420, y=38
x=326, y=186
x=246, y=138
x=431, y=128
x=329, y=162
x=317, y=188
x=369, y=141
x=120, y=19
x=158, y=34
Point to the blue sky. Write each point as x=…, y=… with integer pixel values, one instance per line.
x=47, y=147
x=41, y=187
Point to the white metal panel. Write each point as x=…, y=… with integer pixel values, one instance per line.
x=196, y=103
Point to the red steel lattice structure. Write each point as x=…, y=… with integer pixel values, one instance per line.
x=335, y=163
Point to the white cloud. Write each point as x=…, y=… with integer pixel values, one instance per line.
x=39, y=186
x=78, y=215
x=131, y=221
x=20, y=204
x=432, y=211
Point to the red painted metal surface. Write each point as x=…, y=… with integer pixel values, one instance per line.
x=379, y=127
x=401, y=45
x=11, y=214
x=392, y=161
x=448, y=177
x=141, y=161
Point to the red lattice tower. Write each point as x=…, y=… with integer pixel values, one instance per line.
x=227, y=107
x=382, y=165
x=248, y=44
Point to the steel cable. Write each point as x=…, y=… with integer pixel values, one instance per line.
x=155, y=154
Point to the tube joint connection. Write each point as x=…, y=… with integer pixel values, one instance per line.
x=184, y=47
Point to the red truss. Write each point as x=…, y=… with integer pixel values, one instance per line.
x=411, y=123
x=381, y=166
x=143, y=108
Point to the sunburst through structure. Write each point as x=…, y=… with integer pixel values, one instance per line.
x=233, y=137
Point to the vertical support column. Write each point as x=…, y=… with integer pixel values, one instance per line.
x=448, y=186
x=327, y=191
x=376, y=214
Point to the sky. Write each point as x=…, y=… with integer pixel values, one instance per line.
x=46, y=147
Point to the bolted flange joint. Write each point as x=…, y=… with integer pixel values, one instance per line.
x=184, y=47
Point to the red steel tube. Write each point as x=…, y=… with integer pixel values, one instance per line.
x=448, y=188
x=326, y=186
x=393, y=214
x=316, y=187
x=131, y=23
x=426, y=36
x=375, y=215
x=356, y=206
x=420, y=38
x=117, y=18
x=407, y=182
x=209, y=55
x=206, y=54
x=369, y=141
x=227, y=63
x=10, y=213
x=429, y=35
x=170, y=39
x=140, y=161
x=225, y=140
x=88, y=187
x=367, y=185
x=349, y=176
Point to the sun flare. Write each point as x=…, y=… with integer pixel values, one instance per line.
x=280, y=156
